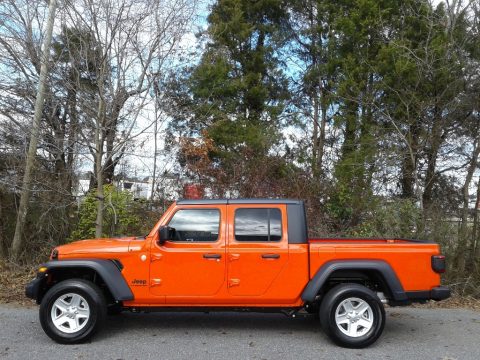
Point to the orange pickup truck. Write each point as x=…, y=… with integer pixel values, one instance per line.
x=243, y=254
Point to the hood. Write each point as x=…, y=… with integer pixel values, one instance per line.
x=95, y=246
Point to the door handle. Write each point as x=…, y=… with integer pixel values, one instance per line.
x=212, y=256
x=271, y=256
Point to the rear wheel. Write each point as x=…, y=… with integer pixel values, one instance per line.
x=72, y=311
x=352, y=315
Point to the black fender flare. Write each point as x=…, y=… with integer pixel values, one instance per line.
x=384, y=269
x=106, y=269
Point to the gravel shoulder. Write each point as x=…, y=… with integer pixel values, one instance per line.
x=410, y=333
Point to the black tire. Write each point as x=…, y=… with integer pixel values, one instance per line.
x=88, y=293
x=375, y=315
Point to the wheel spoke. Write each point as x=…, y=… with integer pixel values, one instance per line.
x=342, y=319
x=60, y=307
x=76, y=299
x=83, y=313
x=59, y=321
x=367, y=324
x=362, y=307
x=352, y=329
x=72, y=324
x=348, y=306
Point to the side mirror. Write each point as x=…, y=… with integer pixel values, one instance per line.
x=165, y=233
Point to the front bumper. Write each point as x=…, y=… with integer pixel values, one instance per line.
x=35, y=288
x=32, y=288
x=437, y=293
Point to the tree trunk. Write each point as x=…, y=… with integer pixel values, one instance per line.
x=17, y=244
x=323, y=123
x=462, y=253
x=155, y=144
x=476, y=232
x=99, y=142
x=315, y=143
x=432, y=154
x=3, y=254
x=409, y=163
x=73, y=129
x=121, y=98
x=100, y=196
x=99, y=139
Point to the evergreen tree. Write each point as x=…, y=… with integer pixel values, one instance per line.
x=237, y=92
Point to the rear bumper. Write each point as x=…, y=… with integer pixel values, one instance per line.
x=437, y=293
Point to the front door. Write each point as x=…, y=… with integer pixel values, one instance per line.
x=257, y=247
x=193, y=263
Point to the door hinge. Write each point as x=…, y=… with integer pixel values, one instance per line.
x=156, y=282
x=233, y=282
x=155, y=257
x=233, y=257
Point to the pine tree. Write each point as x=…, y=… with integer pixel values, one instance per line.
x=238, y=89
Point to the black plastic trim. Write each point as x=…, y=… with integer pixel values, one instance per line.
x=236, y=201
x=314, y=285
x=346, y=238
x=187, y=308
x=33, y=288
x=202, y=202
x=297, y=224
x=118, y=264
x=437, y=293
x=107, y=269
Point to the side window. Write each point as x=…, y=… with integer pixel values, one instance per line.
x=258, y=225
x=196, y=224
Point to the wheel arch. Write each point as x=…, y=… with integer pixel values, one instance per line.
x=103, y=272
x=377, y=270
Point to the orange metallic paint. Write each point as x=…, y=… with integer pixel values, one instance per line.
x=410, y=261
x=249, y=274
x=177, y=274
x=179, y=269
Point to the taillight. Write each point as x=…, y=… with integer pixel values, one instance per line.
x=438, y=263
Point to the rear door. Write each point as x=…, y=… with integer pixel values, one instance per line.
x=257, y=247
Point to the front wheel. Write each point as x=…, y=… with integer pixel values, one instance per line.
x=352, y=315
x=72, y=311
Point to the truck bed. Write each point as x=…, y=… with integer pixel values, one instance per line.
x=410, y=259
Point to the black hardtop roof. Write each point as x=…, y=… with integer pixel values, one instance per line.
x=238, y=201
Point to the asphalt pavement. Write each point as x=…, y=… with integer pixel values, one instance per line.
x=410, y=333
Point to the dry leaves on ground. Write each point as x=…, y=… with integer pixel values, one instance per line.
x=13, y=279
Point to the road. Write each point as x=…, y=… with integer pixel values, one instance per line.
x=410, y=333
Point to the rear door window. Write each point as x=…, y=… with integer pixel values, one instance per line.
x=258, y=225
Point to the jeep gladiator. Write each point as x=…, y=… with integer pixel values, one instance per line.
x=243, y=254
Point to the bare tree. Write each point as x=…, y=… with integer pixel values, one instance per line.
x=17, y=244
x=134, y=39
